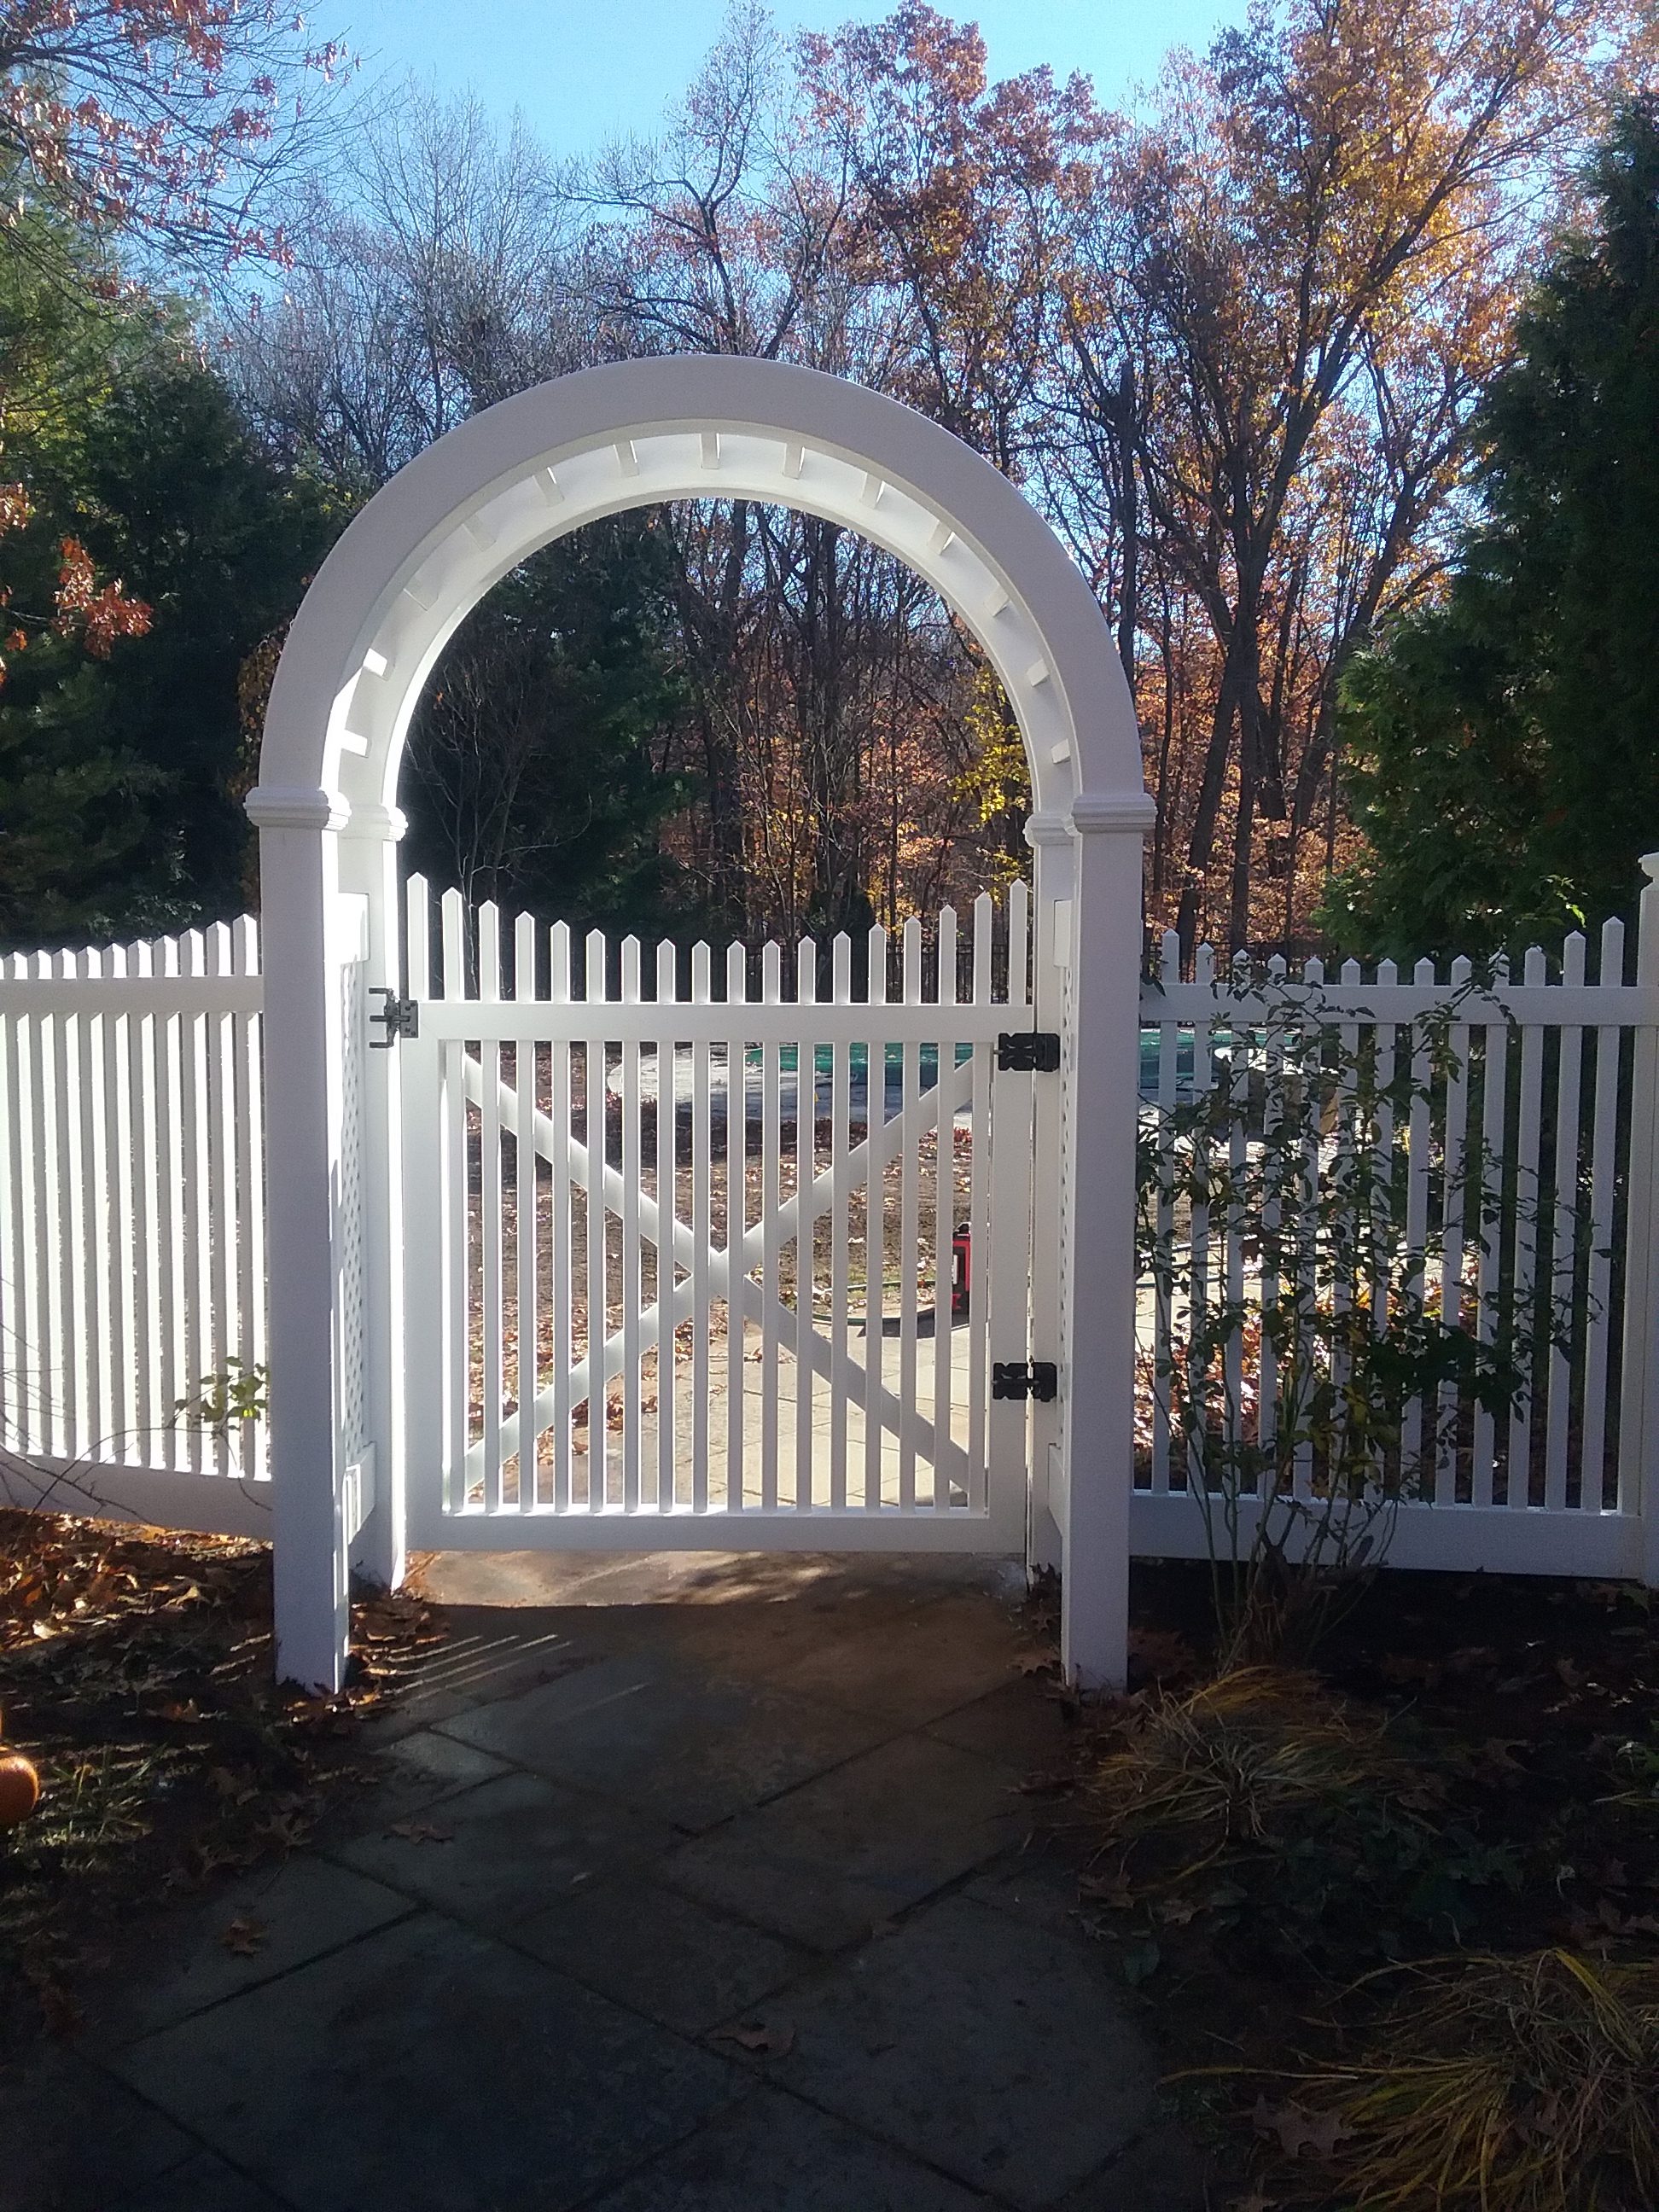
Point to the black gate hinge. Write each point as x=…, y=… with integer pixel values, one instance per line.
x=1025, y=1378
x=1029, y=1052
x=401, y=1018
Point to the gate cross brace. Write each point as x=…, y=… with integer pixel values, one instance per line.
x=864, y=1159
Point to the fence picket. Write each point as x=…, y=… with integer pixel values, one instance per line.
x=1598, y=1281
x=1564, y=1195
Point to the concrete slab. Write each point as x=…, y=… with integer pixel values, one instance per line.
x=824, y=1865
x=660, y=1955
x=774, y=2153
x=76, y=2140
x=431, y=2068
x=277, y=1918
x=648, y=1730
x=496, y=1853
x=983, y=2046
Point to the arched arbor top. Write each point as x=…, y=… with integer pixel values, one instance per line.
x=464, y=514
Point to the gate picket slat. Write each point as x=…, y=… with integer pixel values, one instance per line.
x=193, y=1060
x=944, y=1199
x=117, y=1167
x=662, y=1230
x=909, y=1227
x=69, y=1390
x=562, y=1215
x=737, y=1223
x=806, y=1168
x=702, y=1233
x=840, y=1111
x=599, y=1227
x=169, y=1156
x=770, y=1197
x=875, y=1223
x=457, y=1217
x=525, y=1222
x=632, y=1274
x=1169, y=1048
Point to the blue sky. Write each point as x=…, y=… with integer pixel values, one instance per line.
x=584, y=71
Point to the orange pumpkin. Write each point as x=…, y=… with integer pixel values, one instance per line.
x=20, y=1788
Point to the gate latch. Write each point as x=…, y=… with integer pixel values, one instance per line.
x=401, y=1018
x=1029, y=1052
x=1025, y=1378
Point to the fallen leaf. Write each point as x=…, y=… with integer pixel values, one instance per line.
x=245, y=1937
x=180, y=1709
x=1036, y=1662
x=776, y=2040
x=1298, y=2130
x=421, y=1831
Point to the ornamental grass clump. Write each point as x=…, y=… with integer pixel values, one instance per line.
x=1527, y=2084
x=1235, y=1769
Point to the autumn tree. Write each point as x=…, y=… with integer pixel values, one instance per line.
x=164, y=121
x=1308, y=257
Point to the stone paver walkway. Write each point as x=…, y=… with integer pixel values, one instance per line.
x=692, y=1886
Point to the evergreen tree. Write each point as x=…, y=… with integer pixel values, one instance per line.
x=121, y=750
x=1504, y=744
x=535, y=774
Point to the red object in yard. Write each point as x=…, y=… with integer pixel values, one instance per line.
x=962, y=1249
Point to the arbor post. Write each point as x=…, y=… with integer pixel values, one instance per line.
x=1097, y=1283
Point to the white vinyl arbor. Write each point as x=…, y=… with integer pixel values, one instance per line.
x=413, y=563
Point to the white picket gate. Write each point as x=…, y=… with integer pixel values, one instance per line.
x=680, y=1238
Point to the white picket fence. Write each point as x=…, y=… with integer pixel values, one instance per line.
x=1526, y=1179
x=131, y=1226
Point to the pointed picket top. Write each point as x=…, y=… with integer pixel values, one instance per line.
x=1535, y=968
x=841, y=968
x=630, y=970
x=985, y=922
x=1169, y=961
x=945, y=979
x=1612, y=969
x=1204, y=965
x=875, y=968
x=771, y=974
x=1424, y=972
x=806, y=972
x=452, y=912
x=1461, y=969
x=1572, y=957
x=1312, y=969
x=1387, y=972
x=418, y=920
x=701, y=963
x=737, y=974
x=1276, y=969
x=668, y=973
x=490, y=953
x=558, y=963
x=523, y=956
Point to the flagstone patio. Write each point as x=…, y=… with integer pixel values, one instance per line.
x=685, y=1883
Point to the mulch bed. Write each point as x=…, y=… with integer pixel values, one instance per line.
x=135, y=1670
x=1519, y=1718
